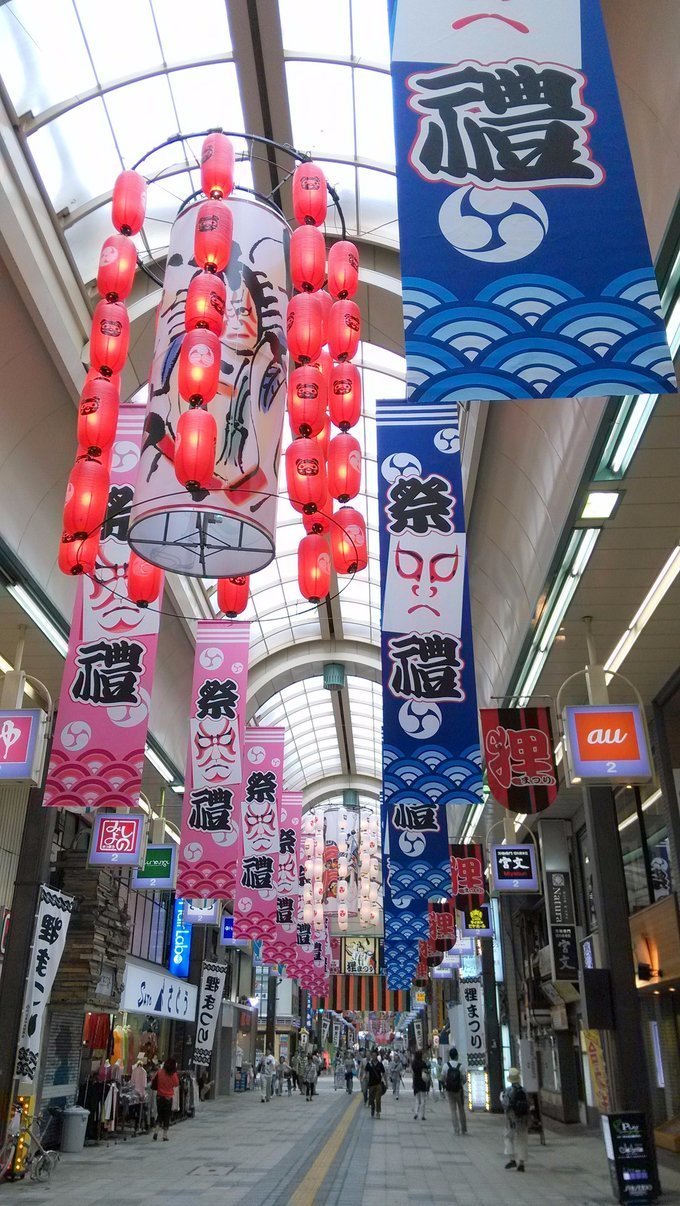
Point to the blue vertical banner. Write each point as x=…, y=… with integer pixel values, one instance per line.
x=431, y=754
x=527, y=270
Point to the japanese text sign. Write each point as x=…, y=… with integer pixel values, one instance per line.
x=152, y=992
x=477, y=922
x=103, y=714
x=180, y=941
x=607, y=744
x=209, y=1006
x=116, y=839
x=227, y=932
x=255, y=897
x=283, y=946
x=512, y=156
x=21, y=744
x=210, y=816
x=520, y=757
x=513, y=868
x=158, y=869
x=472, y=996
x=54, y=915
x=468, y=883
x=564, y=952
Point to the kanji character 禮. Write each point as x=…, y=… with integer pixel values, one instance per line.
x=284, y=910
x=426, y=667
x=108, y=673
x=211, y=810
x=258, y=872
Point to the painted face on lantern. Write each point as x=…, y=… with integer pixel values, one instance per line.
x=260, y=832
x=488, y=31
x=108, y=256
x=307, y=467
x=202, y=355
x=424, y=591
x=216, y=758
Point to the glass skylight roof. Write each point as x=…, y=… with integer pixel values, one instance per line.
x=306, y=711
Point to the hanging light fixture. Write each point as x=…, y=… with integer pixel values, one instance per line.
x=232, y=595
x=326, y=302
x=344, y=330
x=305, y=327
x=318, y=917
x=343, y=270
x=199, y=366
x=307, y=259
x=117, y=267
x=213, y=236
x=314, y=568
x=217, y=166
x=348, y=541
x=319, y=523
x=78, y=556
x=128, y=206
x=87, y=497
x=310, y=195
x=97, y=415
x=343, y=917
x=305, y=475
x=308, y=913
x=323, y=439
x=307, y=400
x=344, y=467
x=144, y=581
x=195, y=449
x=206, y=303
x=344, y=395
x=110, y=337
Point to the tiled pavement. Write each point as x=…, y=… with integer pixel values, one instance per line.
x=240, y=1151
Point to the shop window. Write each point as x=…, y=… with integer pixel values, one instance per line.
x=586, y=898
x=644, y=845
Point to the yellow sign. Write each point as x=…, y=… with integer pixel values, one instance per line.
x=598, y=1070
x=420, y=996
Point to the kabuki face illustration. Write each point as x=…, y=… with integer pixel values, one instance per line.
x=216, y=750
x=425, y=577
x=488, y=31
x=110, y=610
x=261, y=832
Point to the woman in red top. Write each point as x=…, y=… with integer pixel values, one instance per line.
x=166, y=1081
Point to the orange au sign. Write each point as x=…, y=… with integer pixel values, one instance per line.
x=607, y=744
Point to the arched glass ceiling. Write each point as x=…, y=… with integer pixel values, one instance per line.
x=305, y=710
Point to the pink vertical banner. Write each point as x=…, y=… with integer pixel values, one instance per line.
x=282, y=947
x=255, y=893
x=210, y=816
x=103, y=716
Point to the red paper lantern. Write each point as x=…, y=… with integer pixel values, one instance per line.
x=344, y=467
x=307, y=400
x=199, y=366
x=206, y=303
x=305, y=322
x=344, y=330
x=348, y=541
x=343, y=270
x=87, y=497
x=232, y=595
x=78, y=556
x=326, y=307
x=144, y=581
x=307, y=259
x=195, y=449
x=128, y=207
x=318, y=523
x=217, y=166
x=213, y=236
x=344, y=395
x=306, y=475
x=117, y=267
x=97, y=415
x=314, y=568
x=110, y=338
x=323, y=439
x=310, y=195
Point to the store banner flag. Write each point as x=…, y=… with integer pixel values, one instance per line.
x=519, y=749
x=255, y=895
x=282, y=947
x=467, y=876
x=210, y=816
x=513, y=868
x=49, y=939
x=209, y=1007
x=337, y=1023
x=431, y=755
x=116, y=839
x=515, y=181
x=103, y=714
x=325, y=1027
x=472, y=992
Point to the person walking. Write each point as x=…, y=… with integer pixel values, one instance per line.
x=395, y=1074
x=363, y=1077
x=165, y=1082
x=310, y=1076
x=516, y=1105
x=421, y=1083
x=349, y=1072
x=282, y=1070
x=301, y=1068
x=377, y=1084
x=453, y=1081
x=267, y=1073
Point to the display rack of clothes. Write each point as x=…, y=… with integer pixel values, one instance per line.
x=186, y=1095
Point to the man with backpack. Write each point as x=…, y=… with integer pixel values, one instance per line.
x=516, y=1105
x=453, y=1079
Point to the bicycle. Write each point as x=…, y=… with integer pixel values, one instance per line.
x=40, y=1162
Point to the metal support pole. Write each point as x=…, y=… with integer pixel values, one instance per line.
x=494, y=1046
x=272, y=985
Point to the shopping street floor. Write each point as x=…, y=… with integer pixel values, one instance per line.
x=293, y=1153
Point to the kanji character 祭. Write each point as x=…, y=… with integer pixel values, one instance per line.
x=420, y=505
x=217, y=699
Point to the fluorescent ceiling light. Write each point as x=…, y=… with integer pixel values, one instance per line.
x=159, y=764
x=178, y=789
x=633, y=432
x=645, y=612
x=39, y=617
x=519, y=821
x=474, y=819
x=656, y=795
x=600, y=504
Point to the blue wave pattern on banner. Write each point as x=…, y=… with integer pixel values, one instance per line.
x=531, y=336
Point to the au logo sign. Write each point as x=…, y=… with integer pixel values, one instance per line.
x=607, y=744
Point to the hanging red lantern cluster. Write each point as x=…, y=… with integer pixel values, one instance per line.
x=324, y=331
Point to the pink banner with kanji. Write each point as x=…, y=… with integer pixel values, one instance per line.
x=210, y=815
x=255, y=894
x=281, y=948
x=103, y=715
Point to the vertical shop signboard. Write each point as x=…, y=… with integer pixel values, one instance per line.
x=472, y=992
x=180, y=941
x=512, y=157
x=282, y=947
x=209, y=1007
x=255, y=897
x=519, y=750
x=116, y=839
x=210, y=817
x=513, y=868
x=49, y=939
x=103, y=713
x=630, y=1154
x=431, y=756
